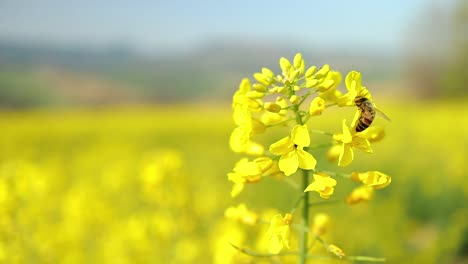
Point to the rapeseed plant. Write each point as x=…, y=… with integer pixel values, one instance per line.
x=289, y=100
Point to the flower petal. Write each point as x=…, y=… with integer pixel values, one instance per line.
x=356, y=118
x=373, y=133
x=254, y=148
x=288, y=163
x=239, y=138
x=242, y=116
x=282, y=146
x=311, y=187
x=353, y=81
x=300, y=136
x=362, y=144
x=275, y=244
x=237, y=189
x=346, y=133
x=306, y=160
x=346, y=156
x=244, y=86
x=317, y=106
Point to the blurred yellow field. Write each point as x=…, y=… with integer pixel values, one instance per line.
x=149, y=185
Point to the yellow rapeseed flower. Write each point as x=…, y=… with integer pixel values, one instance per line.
x=279, y=232
x=316, y=106
x=375, y=179
x=323, y=184
x=293, y=156
x=333, y=152
x=270, y=117
x=373, y=133
x=360, y=194
x=332, y=94
x=241, y=214
x=239, y=140
x=243, y=97
x=349, y=141
x=246, y=171
x=336, y=251
x=320, y=224
x=355, y=89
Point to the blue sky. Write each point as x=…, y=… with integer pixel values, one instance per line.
x=180, y=25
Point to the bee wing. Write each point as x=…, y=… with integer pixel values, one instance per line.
x=383, y=115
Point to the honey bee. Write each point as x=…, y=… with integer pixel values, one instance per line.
x=368, y=112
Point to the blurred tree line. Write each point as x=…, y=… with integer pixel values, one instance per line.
x=438, y=53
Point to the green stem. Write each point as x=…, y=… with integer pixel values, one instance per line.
x=343, y=175
x=305, y=219
x=320, y=132
x=253, y=253
x=305, y=205
x=317, y=146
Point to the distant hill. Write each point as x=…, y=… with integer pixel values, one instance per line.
x=35, y=75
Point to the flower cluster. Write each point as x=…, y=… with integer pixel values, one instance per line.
x=288, y=100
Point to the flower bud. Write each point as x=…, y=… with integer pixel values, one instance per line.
x=310, y=71
x=285, y=64
x=322, y=72
x=302, y=67
x=297, y=60
x=325, y=85
x=261, y=78
x=294, y=99
x=259, y=87
x=297, y=88
x=293, y=75
x=272, y=107
x=311, y=83
x=254, y=95
x=267, y=72
x=282, y=89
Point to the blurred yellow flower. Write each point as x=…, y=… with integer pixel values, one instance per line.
x=349, y=141
x=334, y=152
x=360, y=194
x=375, y=179
x=279, y=233
x=373, y=133
x=320, y=224
x=241, y=214
x=323, y=184
x=246, y=171
x=336, y=251
x=292, y=153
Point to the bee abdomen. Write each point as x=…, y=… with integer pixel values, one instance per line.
x=363, y=124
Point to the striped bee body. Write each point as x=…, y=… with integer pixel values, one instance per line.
x=368, y=111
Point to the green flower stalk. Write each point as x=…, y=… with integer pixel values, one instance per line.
x=290, y=100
